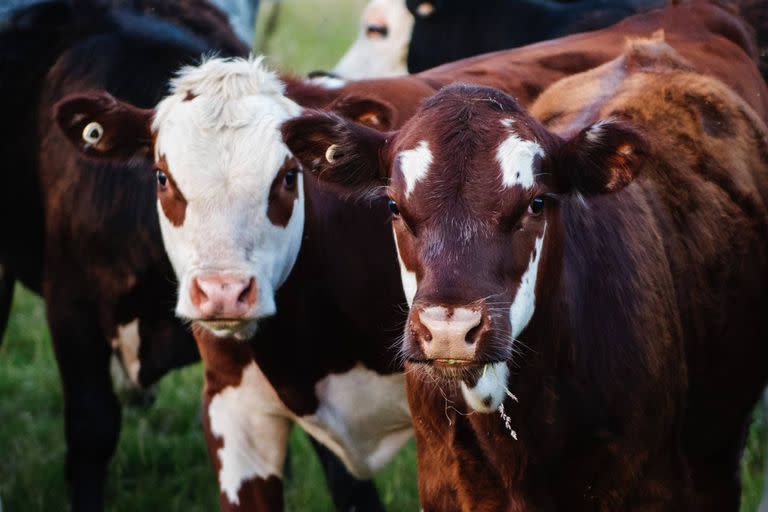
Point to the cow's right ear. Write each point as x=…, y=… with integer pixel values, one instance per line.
x=337, y=150
x=102, y=127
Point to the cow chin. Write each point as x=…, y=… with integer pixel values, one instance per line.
x=483, y=385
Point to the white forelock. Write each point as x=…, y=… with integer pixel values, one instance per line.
x=223, y=82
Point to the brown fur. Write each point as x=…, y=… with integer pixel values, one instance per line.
x=637, y=374
x=282, y=198
x=172, y=201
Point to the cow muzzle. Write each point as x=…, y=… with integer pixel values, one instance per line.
x=223, y=303
x=448, y=335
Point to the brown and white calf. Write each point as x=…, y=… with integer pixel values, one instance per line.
x=249, y=236
x=587, y=327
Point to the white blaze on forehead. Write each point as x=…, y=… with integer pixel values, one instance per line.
x=414, y=164
x=489, y=391
x=253, y=426
x=219, y=132
x=516, y=157
x=408, y=277
x=521, y=311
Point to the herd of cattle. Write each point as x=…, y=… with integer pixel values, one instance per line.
x=571, y=314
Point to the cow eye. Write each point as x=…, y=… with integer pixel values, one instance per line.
x=392, y=204
x=162, y=179
x=536, y=206
x=289, y=181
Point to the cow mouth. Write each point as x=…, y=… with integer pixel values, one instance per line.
x=239, y=329
x=449, y=369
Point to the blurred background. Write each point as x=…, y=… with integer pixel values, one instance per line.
x=161, y=461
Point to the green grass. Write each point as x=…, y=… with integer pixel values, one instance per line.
x=161, y=461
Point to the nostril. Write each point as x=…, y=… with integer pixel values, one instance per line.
x=197, y=294
x=472, y=334
x=248, y=295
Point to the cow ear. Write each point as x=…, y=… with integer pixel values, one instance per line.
x=602, y=158
x=102, y=127
x=337, y=150
x=366, y=111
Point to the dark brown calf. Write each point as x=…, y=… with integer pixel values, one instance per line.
x=587, y=329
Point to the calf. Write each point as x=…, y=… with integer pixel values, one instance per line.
x=447, y=30
x=587, y=327
x=255, y=243
x=85, y=236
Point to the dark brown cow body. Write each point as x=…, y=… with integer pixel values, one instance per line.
x=619, y=332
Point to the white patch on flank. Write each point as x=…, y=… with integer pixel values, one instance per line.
x=329, y=82
x=407, y=277
x=507, y=122
x=363, y=418
x=224, y=149
x=374, y=56
x=521, y=311
x=253, y=425
x=414, y=164
x=516, y=157
x=127, y=342
x=491, y=384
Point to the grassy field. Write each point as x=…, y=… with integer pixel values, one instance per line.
x=161, y=463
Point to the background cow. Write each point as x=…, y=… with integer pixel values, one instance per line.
x=85, y=235
x=600, y=326
x=447, y=30
x=381, y=47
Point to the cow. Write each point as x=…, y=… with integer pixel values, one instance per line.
x=586, y=281
x=447, y=30
x=381, y=47
x=259, y=248
x=88, y=239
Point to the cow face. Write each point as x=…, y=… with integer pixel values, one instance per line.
x=381, y=47
x=474, y=186
x=230, y=197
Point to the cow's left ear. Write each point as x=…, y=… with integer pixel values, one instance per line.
x=337, y=150
x=602, y=158
x=103, y=127
x=370, y=112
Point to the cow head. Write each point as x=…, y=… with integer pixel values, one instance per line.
x=474, y=186
x=381, y=47
x=229, y=192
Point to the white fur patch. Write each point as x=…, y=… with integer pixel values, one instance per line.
x=488, y=393
x=329, y=82
x=407, y=277
x=521, y=311
x=516, y=157
x=380, y=56
x=253, y=425
x=128, y=342
x=363, y=418
x=596, y=132
x=224, y=149
x=414, y=164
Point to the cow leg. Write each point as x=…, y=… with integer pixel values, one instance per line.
x=247, y=448
x=348, y=492
x=91, y=409
x=7, y=283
